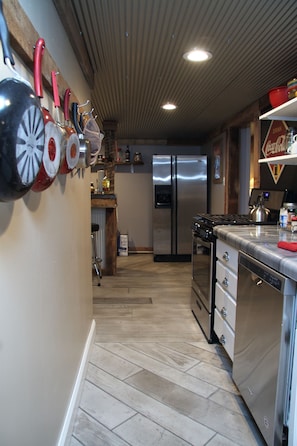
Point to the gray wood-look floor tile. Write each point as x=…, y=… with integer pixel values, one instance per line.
x=176, y=376
x=219, y=418
x=219, y=440
x=166, y=355
x=210, y=374
x=103, y=407
x=182, y=426
x=115, y=365
x=89, y=432
x=218, y=359
x=152, y=377
x=140, y=431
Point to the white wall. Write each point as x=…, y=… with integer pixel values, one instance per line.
x=134, y=196
x=133, y=187
x=45, y=297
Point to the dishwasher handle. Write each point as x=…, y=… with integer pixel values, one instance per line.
x=263, y=273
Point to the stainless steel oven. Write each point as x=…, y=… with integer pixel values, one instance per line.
x=204, y=267
x=203, y=278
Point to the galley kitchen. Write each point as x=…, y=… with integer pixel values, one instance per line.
x=94, y=95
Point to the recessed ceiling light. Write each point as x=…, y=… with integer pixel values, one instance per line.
x=169, y=106
x=197, y=55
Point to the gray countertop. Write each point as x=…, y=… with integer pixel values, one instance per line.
x=260, y=242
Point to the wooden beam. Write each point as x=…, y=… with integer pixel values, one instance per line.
x=70, y=24
x=23, y=37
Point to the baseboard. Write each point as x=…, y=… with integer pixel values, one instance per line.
x=68, y=421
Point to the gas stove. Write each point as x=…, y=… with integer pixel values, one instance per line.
x=273, y=200
x=210, y=220
x=203, y=224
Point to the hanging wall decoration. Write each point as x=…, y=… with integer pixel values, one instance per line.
x=218, y=149
x=275, y=145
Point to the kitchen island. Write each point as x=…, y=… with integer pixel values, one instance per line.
x=104, y=206
x=259, y=357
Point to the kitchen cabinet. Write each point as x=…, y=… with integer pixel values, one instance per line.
x=225, y=295
x=260, y=242
x=285, y=112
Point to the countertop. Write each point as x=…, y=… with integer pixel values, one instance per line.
x=261, y=243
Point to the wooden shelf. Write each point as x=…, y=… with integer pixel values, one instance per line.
x=285, y=112
x=127, y=163
x=284, y=159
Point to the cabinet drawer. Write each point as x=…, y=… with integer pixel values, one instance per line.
x=227, y=255
x=224, y=333
x=227, y=279
x=225, y=305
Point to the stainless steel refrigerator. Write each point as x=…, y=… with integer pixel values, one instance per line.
x=179, y=192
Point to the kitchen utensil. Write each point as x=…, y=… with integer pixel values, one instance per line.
x=52, y=149
x=71, y=157
x=84, y=144
x=278, y=96
x=62, y=132
x=70, y=141
x=21, y=129
x=259, y=213
x=93, y=134
x=292, y=148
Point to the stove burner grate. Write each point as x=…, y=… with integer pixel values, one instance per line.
x=211, y=220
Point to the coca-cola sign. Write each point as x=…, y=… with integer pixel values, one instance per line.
x=275, y=145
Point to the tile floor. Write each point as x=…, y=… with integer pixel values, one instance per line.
x=152, y=378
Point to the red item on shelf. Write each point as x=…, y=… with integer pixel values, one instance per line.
x=290, y=246
x=278, y=96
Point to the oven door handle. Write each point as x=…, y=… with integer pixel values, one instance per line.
x=198, y=240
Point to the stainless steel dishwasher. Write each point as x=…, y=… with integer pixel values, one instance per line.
x=264, y=332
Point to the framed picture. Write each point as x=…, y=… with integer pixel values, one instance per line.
x=218, y=149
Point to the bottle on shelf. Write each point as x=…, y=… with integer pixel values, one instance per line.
x=105, y=184
x=283, y=217
x=127, y=155
x=119, y=158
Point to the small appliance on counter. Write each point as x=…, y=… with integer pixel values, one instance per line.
x=272, y=200
x=259, y=213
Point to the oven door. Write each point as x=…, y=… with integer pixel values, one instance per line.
x=203, y=265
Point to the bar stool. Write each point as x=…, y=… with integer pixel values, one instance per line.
x=96, y=261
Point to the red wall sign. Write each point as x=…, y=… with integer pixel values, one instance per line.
x=275, y=145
